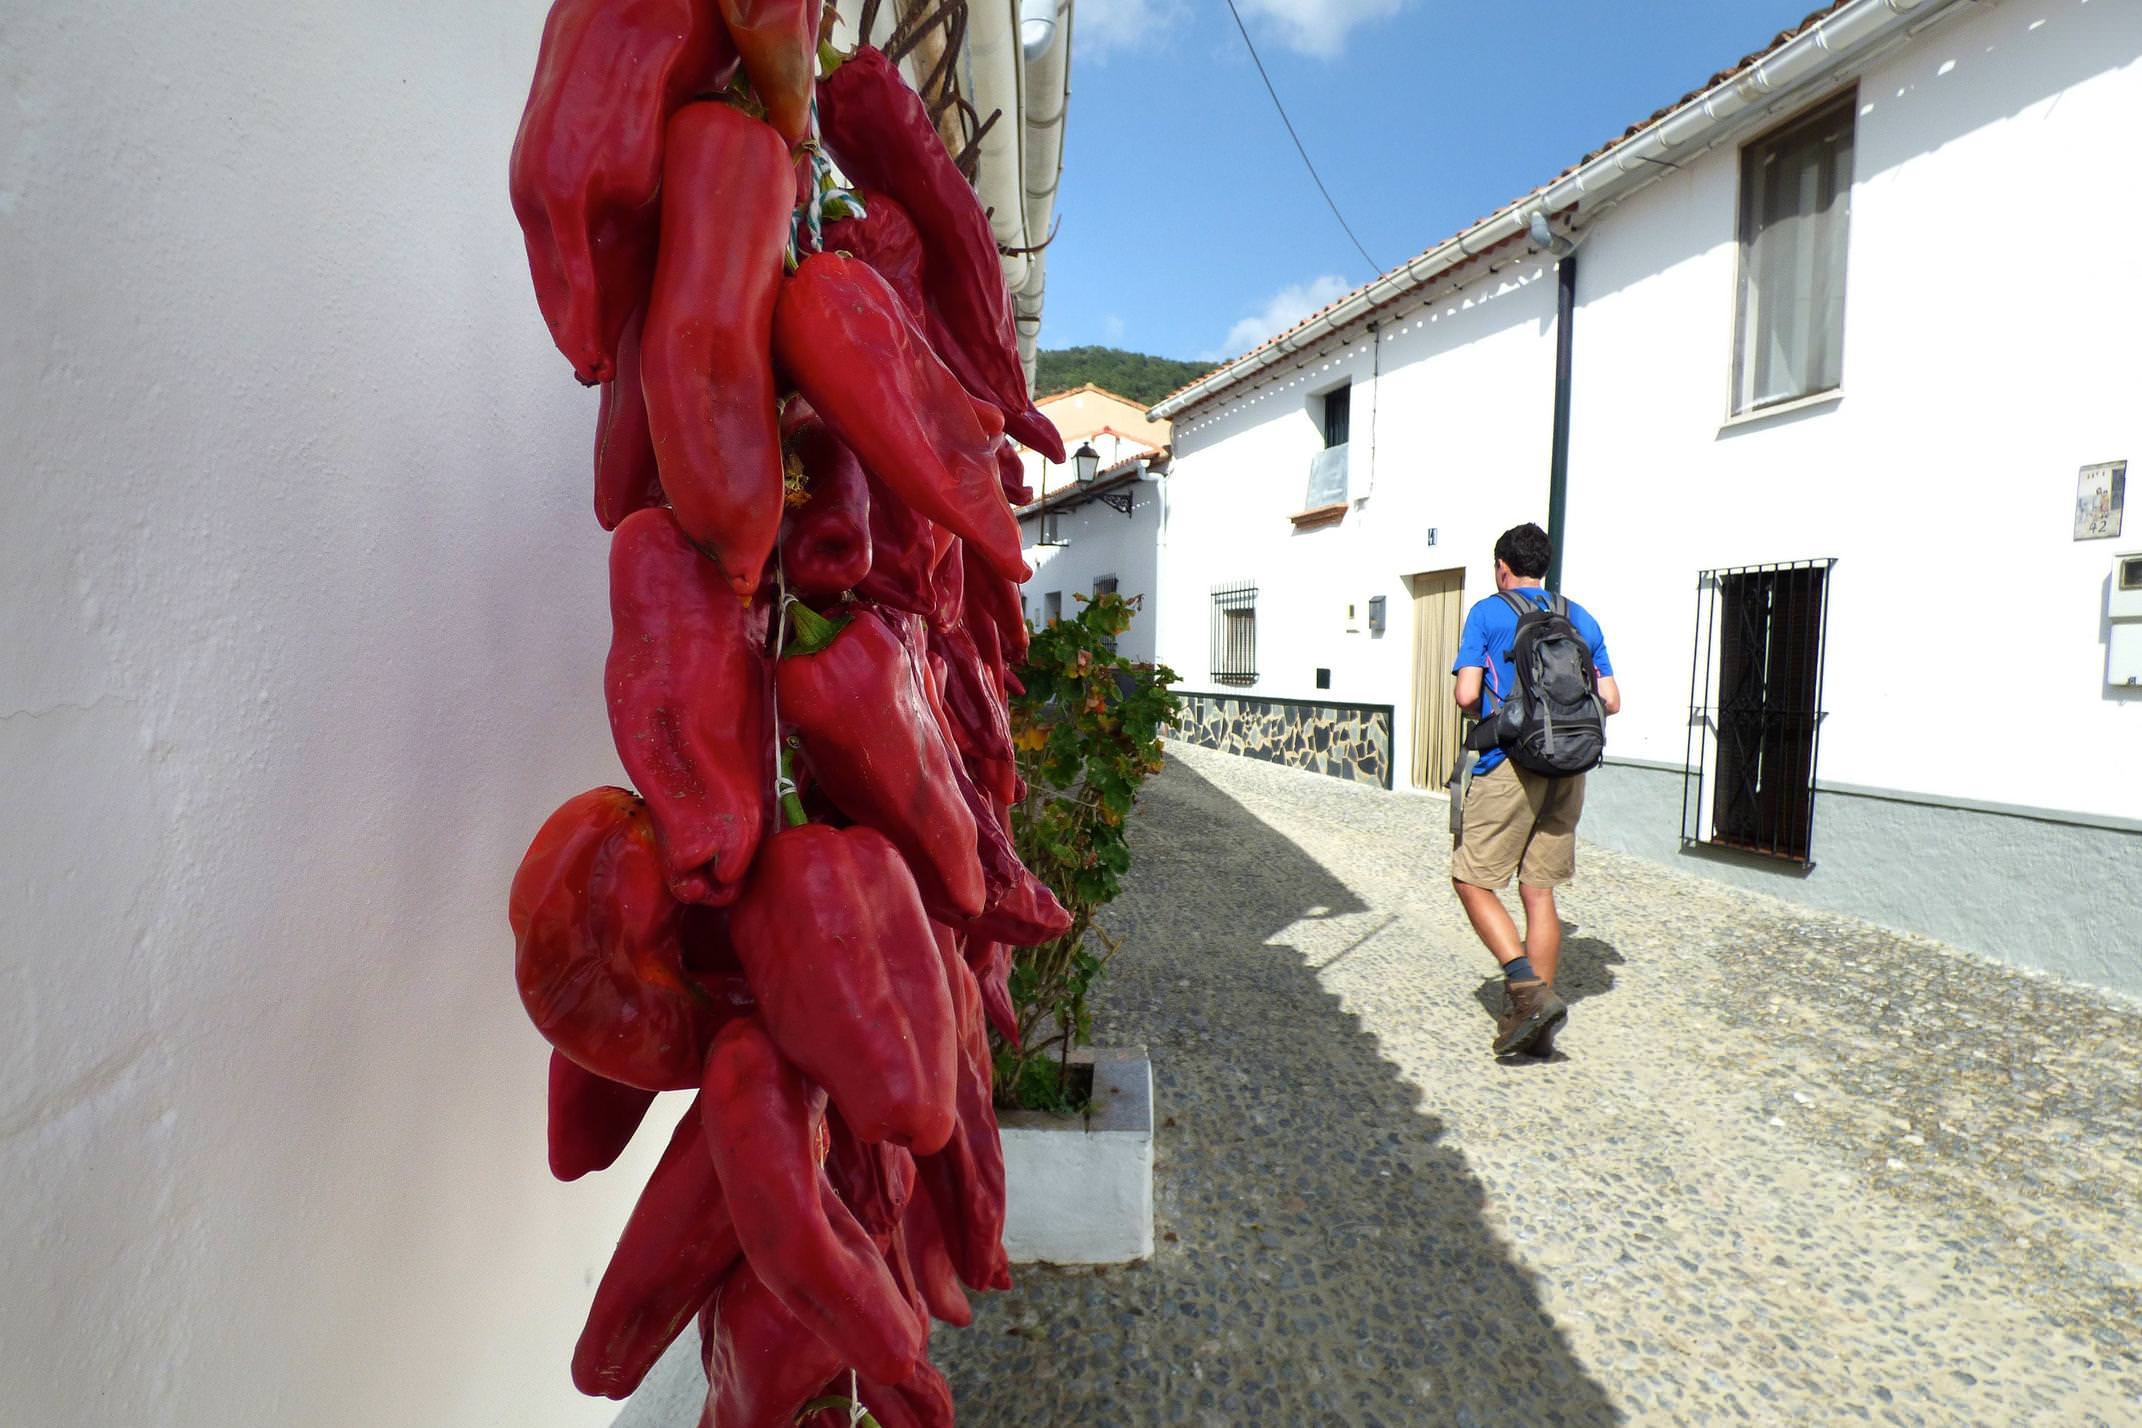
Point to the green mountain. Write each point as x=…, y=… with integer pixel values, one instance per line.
x=1129, y=374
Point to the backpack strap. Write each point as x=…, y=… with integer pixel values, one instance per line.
x=1518, y=604
x=1560, y=605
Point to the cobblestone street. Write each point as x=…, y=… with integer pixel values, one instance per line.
x=1785, y=1167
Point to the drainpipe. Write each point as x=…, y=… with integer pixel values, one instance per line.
x=1565, y=309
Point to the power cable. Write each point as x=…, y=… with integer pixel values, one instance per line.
x=1374, y=266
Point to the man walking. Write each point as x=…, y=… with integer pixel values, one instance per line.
x=1515, y=820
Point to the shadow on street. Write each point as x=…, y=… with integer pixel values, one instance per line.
x=1321, y=1257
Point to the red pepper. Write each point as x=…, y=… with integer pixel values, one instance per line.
x=763, y=1363
x=843, y=338
x=767, y=1134
x=676, y=1247
x=688, y=691
x=625, y=475
x=931, y=1264
x=728, y=191
x=880, y=131
x=778, y=40
x=854, y=695
x=1017, y=907
x=965, y=1180
x=994, y=978
x=596, y=956
x=1011, y=474
x=834, y=940
x=875, y=1181
x=948, y=581
x=886, y=239
x=993, y=602
x=588, y=158
x=902, y=554
x=981, y=725
x=592, y=1118
x=825, y=542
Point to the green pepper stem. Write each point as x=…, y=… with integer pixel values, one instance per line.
x=791, y=804
x=813, y=630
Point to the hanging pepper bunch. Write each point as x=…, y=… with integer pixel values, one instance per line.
x=803, y=909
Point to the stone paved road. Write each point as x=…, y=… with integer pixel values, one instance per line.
x=1786, y=1167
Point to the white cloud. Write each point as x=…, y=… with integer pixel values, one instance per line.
x=1314, y=27
x=1285, y=308
x=1112, y=325
x=1105, y=26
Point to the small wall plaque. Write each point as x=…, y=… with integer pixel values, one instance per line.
x=2100, y=498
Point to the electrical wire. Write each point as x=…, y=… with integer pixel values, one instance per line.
x=1374, y=266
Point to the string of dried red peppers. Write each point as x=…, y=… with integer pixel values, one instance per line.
x=800, y=910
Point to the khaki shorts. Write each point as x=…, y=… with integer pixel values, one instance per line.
x=1517, y=821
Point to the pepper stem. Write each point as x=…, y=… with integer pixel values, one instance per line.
x=813, y=630
x=791, y=804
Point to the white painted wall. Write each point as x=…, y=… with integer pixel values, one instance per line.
x=1453, y=434
x=1989, y=353
x=306, y=620
x=1944, y=480
x=1101, y=542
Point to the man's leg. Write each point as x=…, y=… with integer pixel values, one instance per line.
x=1491, y=920
x=1543, y=929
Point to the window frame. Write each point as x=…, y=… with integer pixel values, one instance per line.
x=1738, y=354
x=1234, y=634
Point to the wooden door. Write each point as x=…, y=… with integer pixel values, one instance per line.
x=1438, y=612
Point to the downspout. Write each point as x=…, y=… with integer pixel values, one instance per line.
x=1565, y=311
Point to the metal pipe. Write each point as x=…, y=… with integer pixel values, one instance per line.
x=1037, y=27
x=1565, y=313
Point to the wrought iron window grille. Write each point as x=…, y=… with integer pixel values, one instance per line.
x=1234, y=634
x=1755, y=709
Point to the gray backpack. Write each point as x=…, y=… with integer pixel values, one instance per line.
x=1551, y=721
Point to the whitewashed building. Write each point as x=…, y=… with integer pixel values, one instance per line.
x=1829, y=427
x=1104, y=533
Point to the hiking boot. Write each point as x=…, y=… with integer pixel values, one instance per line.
x=1529, y=1019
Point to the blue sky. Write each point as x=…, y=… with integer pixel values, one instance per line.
x=1191, y=229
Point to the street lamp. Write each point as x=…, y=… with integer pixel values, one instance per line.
x=1086, y=462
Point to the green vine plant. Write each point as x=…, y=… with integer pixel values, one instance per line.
x=1087, y=730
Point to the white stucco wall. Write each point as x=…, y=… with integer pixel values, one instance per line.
x=306, y=619
x=1102, y=542
x=1944, y=480
x=1991, y=148
x=1453, y=434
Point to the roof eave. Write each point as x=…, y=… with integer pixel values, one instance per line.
x=1823, y=47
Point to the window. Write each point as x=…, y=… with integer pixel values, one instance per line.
x=1052, y=607
x=1327, y=470
x=1755, y=728
x=1338, y=412
x=1106, y=585
x=1795, y=209
x=1234, y=634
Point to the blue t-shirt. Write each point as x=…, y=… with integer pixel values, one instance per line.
x=1490, y=630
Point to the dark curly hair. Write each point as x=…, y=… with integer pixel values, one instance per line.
x=1526, y=550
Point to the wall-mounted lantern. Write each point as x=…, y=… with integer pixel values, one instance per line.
x=1086, y=462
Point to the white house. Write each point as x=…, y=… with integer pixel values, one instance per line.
x=1831, y=445
x=1104, y=533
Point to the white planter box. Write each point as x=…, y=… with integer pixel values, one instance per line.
x=1080, y=1191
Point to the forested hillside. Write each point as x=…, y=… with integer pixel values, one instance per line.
x=1131, y=374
